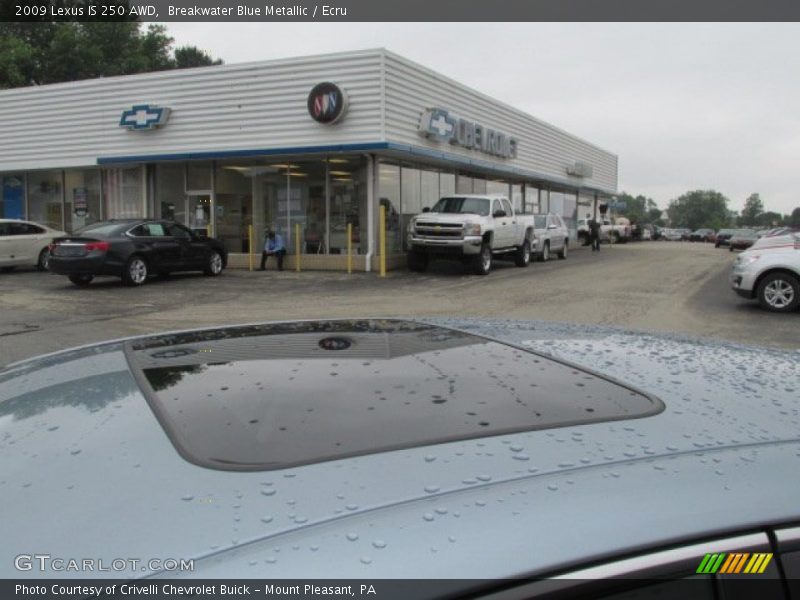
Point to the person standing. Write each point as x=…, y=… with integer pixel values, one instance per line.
x=594, y=235
x=273, y=246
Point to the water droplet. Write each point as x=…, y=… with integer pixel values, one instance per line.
x=74, y=452
x=483, y=477
x=351, y=506
x=451, y=539
x=441, y=510
x=187, y=498
x=516, y=448
x=53, y=428
x=269, y=492
x=552, y=487
x=379, y=544
x=352, y=536
x=480, y=503
x=521, y=457
x=428, y=516
x=253, y=563
x=267, y=519
x=430, y=458
x=431, y=489
x=313, y=548
x=271, y=560
x=366, y=560
x=300, y=520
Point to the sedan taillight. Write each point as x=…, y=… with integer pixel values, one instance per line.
x=102, y=246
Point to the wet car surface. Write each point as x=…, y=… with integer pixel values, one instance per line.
x=528, y=501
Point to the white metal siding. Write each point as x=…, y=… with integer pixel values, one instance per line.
x=543, y=148
x=236, y=107
x=263, y=106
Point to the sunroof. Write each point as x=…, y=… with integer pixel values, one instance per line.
x=274, y=396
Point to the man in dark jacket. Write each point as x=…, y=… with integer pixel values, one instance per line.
x=594, y=235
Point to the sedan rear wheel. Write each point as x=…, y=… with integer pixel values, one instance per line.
x=81, y=280
x=215, y=264
x=563, y=252
x=779, y=292
x=135, y=272
x=44, y=257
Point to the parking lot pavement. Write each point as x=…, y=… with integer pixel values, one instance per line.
x=652, y=286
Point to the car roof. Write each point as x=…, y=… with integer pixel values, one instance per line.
x=721, y=457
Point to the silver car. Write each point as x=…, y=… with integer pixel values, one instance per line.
x=498, y=458
x=550, y=236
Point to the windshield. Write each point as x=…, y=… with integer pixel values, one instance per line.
x=455, y=205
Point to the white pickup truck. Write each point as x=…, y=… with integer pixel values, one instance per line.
x=472, y=228
x=614, y=233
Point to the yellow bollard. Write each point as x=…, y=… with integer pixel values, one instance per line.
x=382, y=239
x=297, y=246
x=208, y=230
x=349, y=247
x=250, y=245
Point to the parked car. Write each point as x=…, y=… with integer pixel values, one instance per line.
x=742, y=239
x=777, y=237
x=724, y=236
x=771, y=275
x=618, y=232
x=550, y=235
x=671, y=235
x=702, y=235
x=134, y=249
x=384, y=449
x=24, y=243
x=474, y=229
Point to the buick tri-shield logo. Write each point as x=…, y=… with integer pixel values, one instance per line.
x=327, y=103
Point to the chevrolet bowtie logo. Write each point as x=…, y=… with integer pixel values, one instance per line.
x=144, y=116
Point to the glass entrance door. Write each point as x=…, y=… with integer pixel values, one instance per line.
x=198, y=215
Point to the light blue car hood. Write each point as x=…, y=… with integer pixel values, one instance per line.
x=86, y=471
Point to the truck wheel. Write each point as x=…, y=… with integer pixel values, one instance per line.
x=483, y=261
x=545, y=252
x=563, y=252
x=614, y=238
x=417, y=261
x=523, y=254
x=779, y=292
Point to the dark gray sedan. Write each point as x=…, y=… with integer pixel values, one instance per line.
x=134, y=249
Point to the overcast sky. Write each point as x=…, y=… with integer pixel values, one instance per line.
x=684, y=106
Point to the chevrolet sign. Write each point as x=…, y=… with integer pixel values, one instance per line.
x=439, y=125
x=144, y=116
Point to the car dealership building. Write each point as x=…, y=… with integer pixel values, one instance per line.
x=319, y=142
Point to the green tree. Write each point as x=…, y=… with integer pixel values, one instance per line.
x=793, y=220
x=190, y=56
x=753, y=207
x=639, y=209
x=699, y=208
x=769, y=219
x=41, y=53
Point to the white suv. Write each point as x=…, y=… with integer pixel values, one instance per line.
x=772, y=275
x=550, y=235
